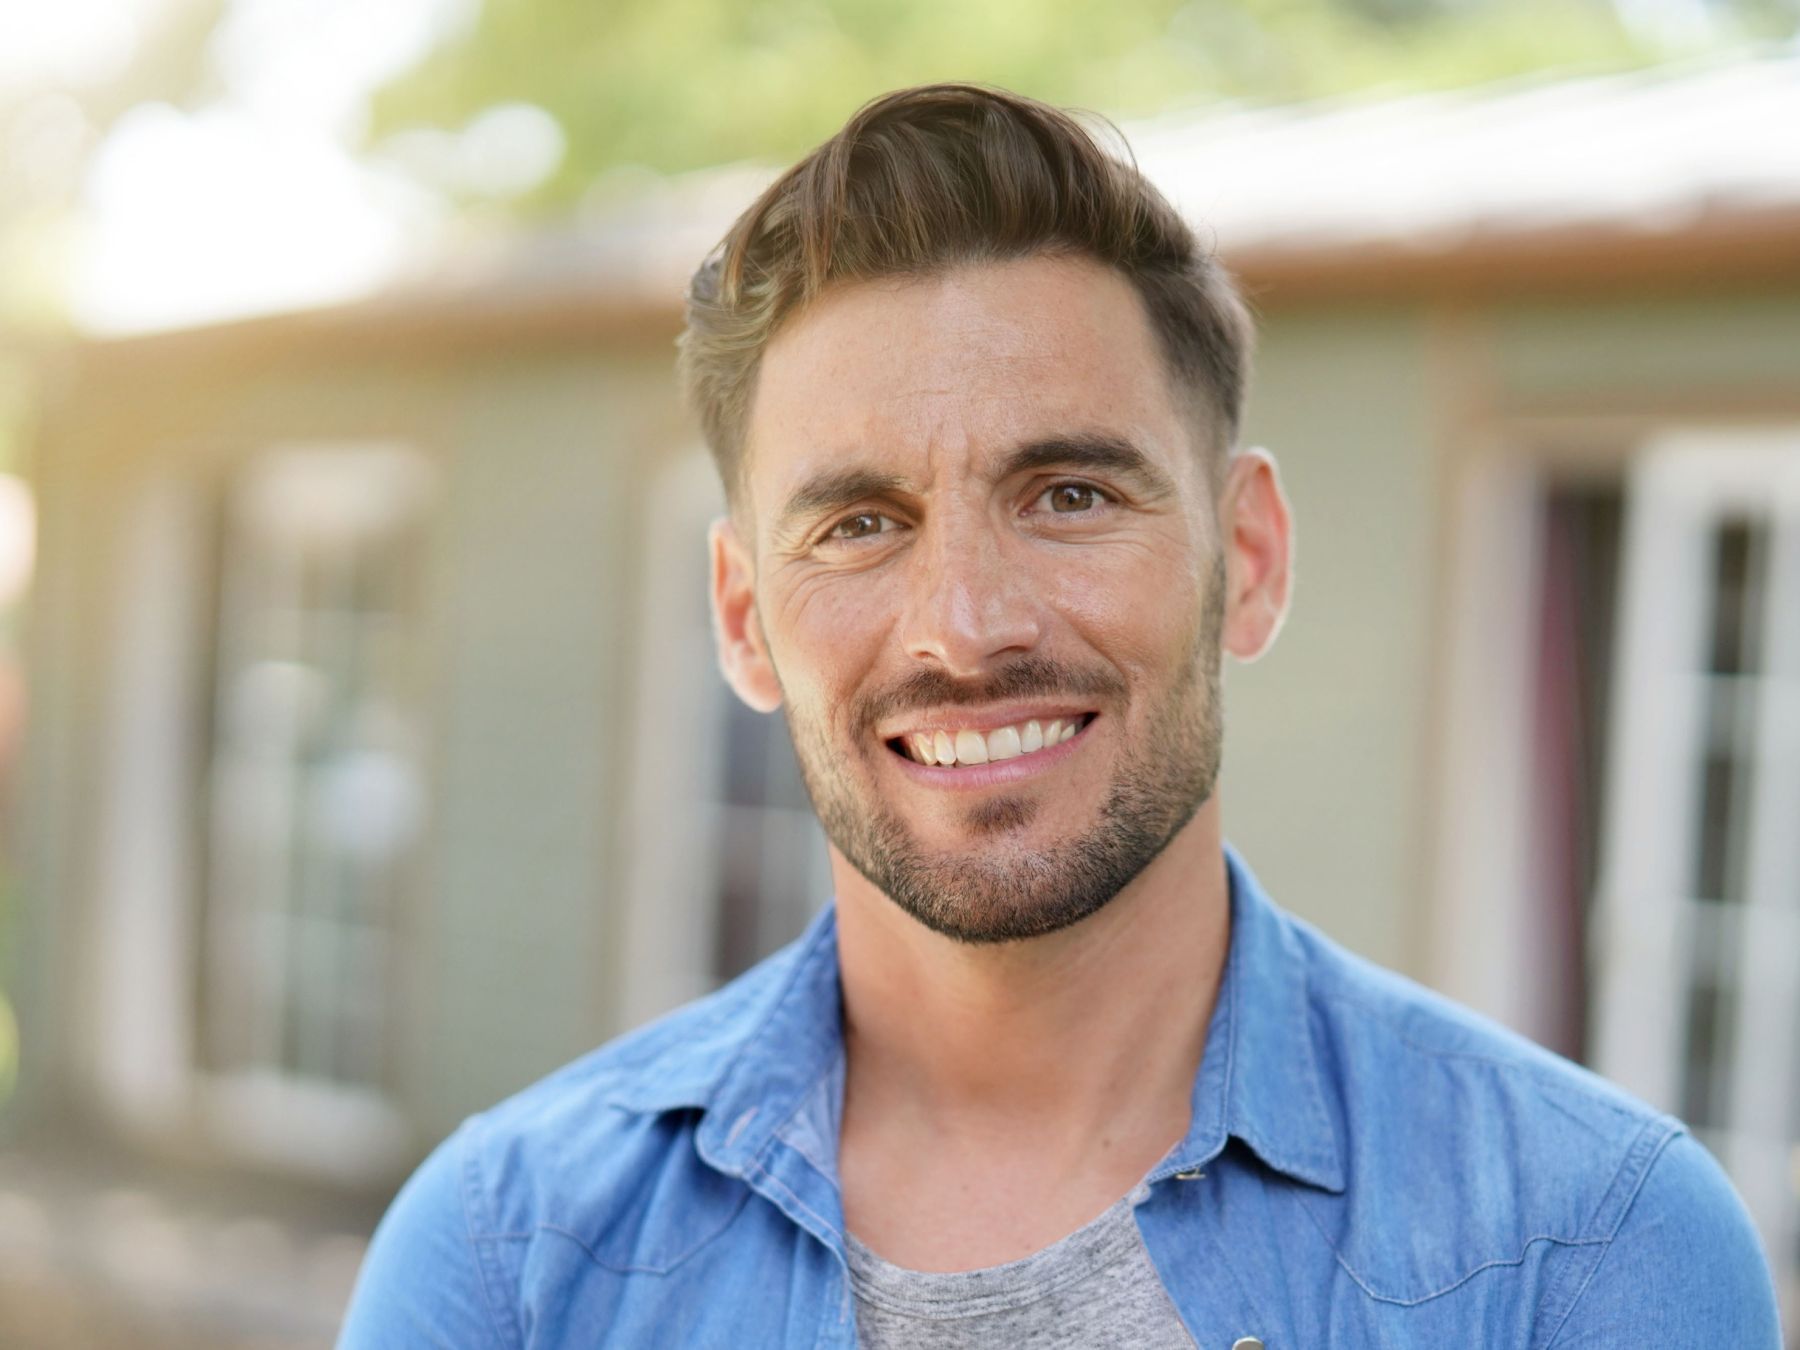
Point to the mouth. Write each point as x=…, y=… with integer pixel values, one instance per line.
x=966, y=747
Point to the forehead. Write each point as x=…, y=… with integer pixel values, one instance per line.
x=923, y=376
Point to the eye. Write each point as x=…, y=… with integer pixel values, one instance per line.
x=1072, y=498
x=862, y=525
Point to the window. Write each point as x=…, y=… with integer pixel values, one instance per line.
x=1697, y=944
x=730, y=862
x=315, y=792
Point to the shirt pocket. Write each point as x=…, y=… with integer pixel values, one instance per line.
x=651, y=1220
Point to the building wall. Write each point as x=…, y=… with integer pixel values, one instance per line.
x=542, y=539
x=1731, y=355
x=1414, y=441
x=530, y=596
x=1326, y=735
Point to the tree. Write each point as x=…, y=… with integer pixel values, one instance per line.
x=677, y=84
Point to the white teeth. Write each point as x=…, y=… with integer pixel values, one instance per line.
x=971, y=748
x=1003, y=743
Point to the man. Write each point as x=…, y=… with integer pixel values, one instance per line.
x=1052, y=1070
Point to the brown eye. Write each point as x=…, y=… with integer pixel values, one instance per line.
x=859, y=526
x=1066, y=497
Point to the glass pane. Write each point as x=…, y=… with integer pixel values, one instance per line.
x=771, y=850
x=1711, y=1005
x=1740, y=548
x=1714, y=877
x=1739, y=556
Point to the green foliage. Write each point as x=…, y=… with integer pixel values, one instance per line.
x=678, y=84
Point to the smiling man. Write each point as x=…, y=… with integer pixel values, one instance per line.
x=1052, y=1070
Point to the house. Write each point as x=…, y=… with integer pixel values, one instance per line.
x=377, y=763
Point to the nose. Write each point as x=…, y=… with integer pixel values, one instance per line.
x=968, y=603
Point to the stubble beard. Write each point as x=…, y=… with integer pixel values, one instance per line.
x=1006, y=892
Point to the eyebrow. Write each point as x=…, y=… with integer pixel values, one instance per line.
x=836, y=489
x=1094, y=450
x=832, y=490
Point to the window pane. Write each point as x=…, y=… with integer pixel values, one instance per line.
x=1739, y=549
x=1711, y=1003
x=772, y=871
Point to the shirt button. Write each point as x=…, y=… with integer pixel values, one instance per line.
x=1246, y=1343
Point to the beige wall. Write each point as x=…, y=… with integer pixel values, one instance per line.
x=1326, y=735
x=1389, y=425
x=532, y=594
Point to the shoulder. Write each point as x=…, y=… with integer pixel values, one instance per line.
x=579, y=1167
x=1396, y=1049
x=586, y=1139
x=1684, y=1266
x=1487, y=1147
x=539, y=1152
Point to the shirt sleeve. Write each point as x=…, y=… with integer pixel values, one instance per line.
x=1685, y=1267
x=421, y=1282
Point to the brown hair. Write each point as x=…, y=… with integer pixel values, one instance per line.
x=935, y=176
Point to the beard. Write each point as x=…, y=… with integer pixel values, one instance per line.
x=1004, y=891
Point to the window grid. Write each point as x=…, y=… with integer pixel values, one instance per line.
x=314, y=792
x=1698, y=944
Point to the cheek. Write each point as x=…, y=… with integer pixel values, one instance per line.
x=825, y=634
x=1137, y=607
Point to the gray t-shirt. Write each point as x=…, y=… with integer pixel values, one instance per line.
x=1095, y=1288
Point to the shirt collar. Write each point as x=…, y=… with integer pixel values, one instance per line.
x=1260, y=1078
x=795, y=1048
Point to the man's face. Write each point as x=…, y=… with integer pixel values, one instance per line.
x=985, y=577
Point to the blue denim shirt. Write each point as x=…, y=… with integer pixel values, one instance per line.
x=1367, y=1165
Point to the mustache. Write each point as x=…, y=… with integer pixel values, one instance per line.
x=1027, y=677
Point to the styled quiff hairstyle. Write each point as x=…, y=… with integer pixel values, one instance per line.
x=937, y=176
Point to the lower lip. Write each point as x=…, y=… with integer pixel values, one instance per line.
x=975, y=777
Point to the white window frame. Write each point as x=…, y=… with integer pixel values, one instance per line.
x=1679, y=490
x=134, y=1004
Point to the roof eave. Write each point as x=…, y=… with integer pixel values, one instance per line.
x=1718, y=249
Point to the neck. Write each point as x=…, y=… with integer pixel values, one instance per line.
x=1087, y=1037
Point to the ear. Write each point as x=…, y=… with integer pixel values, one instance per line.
x=1257, y=532
x=743, y=652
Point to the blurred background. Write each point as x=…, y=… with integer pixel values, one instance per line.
x=361, y=752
